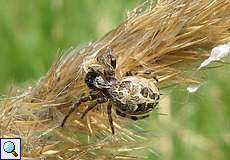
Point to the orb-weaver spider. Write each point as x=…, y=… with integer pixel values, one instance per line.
x=132, y=97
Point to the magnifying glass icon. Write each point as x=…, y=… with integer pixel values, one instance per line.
x=9, y=147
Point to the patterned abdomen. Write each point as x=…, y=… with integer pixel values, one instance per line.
x=135, y=95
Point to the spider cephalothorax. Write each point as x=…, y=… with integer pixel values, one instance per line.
x=132, y=97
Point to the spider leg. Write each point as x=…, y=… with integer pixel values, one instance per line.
x=138, y=117
x=82, y=99
x=109, y=111
x=131, y=117
x=113, y=60
x=130, y=73
x=150, y=74
x=110, y=70
x=146, y=74
x=92, y=105
x=120, y=113
x=109, y=66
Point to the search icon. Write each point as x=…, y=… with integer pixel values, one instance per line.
x=9, y=147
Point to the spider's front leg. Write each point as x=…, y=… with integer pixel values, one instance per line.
x=82, y=99
x=113, y=60
x=109, y=66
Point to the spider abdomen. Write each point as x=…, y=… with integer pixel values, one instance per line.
x=135, y=95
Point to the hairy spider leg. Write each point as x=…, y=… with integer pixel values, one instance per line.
x=82, y=99
x=131, y=117
x=113, y=60
x=145, y=74
x=94, y=104
x=109, y=112
x=110, y=66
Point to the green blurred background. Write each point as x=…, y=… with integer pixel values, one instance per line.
x=31, y=32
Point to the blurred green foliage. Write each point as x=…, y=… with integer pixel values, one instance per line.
x=205, y=115
x=31, y=32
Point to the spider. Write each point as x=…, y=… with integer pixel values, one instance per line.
x=132, y=97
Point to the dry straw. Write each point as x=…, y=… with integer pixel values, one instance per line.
x=168, y=37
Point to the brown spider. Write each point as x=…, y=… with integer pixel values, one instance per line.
x=132, y=97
